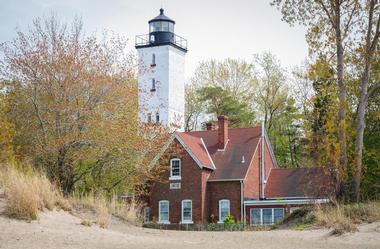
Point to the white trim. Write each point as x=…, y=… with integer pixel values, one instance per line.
x=166, y=146
x=171, y=169
x=191, y=205
x=220, y=210
x=225, y=180
x=208, y=154
x=159, y=212
x=271, y=150
x=159, y=154
x=286, y=202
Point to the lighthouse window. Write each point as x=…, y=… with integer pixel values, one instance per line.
x=157, y=117
x=149, y=117
x=165, y=26
x=153, y=60
x=153, y=85
x=171, y=27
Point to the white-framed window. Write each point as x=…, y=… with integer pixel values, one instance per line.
x=187, y=212
x=266, y=216
x=224, y=209
x=146, y=214
x=163, y=212
x=175, y=169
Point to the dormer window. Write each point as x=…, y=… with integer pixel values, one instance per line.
x=153, y=64
x=153, y=88
x=175, y=169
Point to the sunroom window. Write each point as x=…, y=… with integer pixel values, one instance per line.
x=266, y=216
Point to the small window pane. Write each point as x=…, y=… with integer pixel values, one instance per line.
x=149, y=117
x=278, y=214
x=255, y=216
x=187, y=210
x=171, y=27
x=156, y=26
x=164, y=211
x=165, y=26
x=267, y=216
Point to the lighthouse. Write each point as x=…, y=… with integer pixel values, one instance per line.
x=161, y=77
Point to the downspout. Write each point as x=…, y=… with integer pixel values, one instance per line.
x=262, y=166
x=242, y=216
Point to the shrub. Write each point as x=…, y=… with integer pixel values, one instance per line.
x=229, y=220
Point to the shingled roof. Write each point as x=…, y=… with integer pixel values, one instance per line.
x=228, y=163
x=298, y=182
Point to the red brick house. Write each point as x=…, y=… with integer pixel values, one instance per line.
x=214, y=173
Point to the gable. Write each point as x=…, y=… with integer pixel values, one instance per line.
x=195, y=147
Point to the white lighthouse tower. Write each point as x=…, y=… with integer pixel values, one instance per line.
x=161, y=78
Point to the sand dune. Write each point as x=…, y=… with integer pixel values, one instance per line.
x=59, y=229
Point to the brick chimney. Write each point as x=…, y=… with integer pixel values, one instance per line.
x=210, y=126
x=222, y=132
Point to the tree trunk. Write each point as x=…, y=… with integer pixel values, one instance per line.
x=360, y=126
x=342, y=105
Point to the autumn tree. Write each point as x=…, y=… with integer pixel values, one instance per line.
x=329, y=28
x=73, y=101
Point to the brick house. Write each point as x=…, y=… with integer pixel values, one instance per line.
x=223, y=171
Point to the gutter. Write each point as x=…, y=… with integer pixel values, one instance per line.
x=286, y=202
x=262, y=166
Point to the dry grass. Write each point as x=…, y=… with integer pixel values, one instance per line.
x=345, y=218
x=86, y=223
x=28, y=193
x=100, y=209
x=97, y=205
x=129, y=211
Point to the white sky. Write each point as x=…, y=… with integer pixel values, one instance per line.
x=215, y=29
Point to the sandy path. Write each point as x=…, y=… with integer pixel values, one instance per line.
x=61, y=230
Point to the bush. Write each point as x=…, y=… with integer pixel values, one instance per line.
x=229, y=220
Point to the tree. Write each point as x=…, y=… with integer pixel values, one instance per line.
x=7, y=131
x=194, y=107
x=73, y=102
x=236, y=76
x=271, y=93
x=219, y=101
x=329, y=26
x=371, y=32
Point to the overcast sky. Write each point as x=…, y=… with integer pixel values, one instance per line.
x=214, y=28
